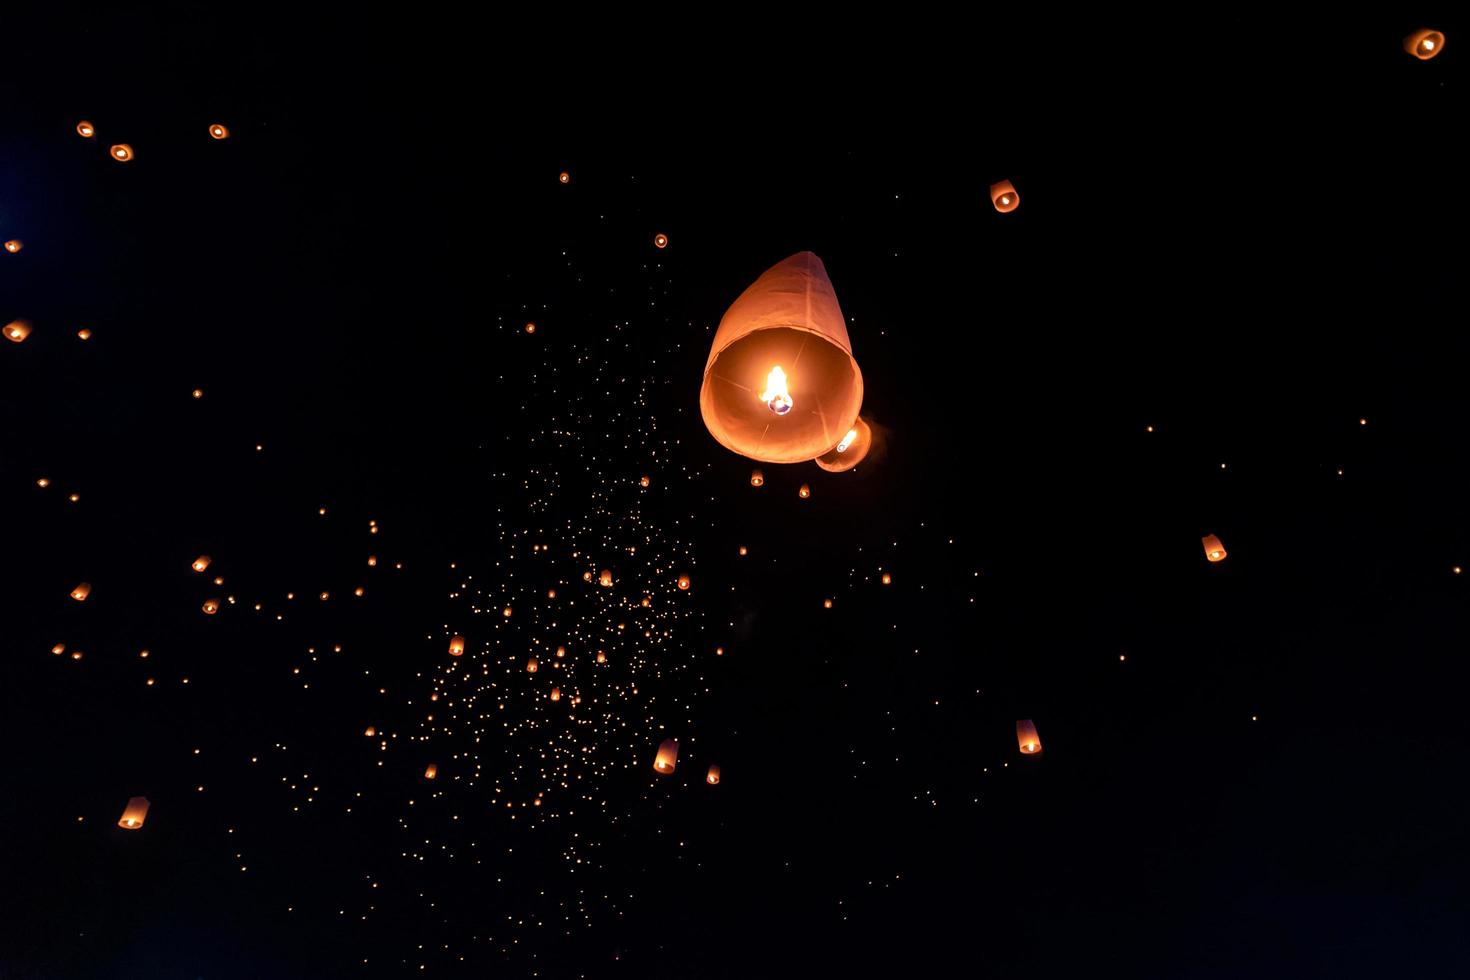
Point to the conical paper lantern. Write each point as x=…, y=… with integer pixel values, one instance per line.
x=781, y=385
x=1026, y=737
x=134, y=813
x=1214, y=550
x=668, y=754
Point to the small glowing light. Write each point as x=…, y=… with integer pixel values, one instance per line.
x=565, y=177
x=17, y=330
x=1456, y=570
x=684, y=583
x=122, y=152
x=14, y=245
x=847, y=440
x=887, y=579
x=804, y=492
x=210, y=607
x=757, y=479
x=661, y=240
x=530, y=328
x=826, y=603
x=76, y=655
x=81, y=592
x=84, y=128
x=84, y=334
x=197, y=392
x=776, y=397
x=1362, y=421
x=1428, y=45
x=219, y=132
x=59, y=649
x=43, y=483
x=201, y=563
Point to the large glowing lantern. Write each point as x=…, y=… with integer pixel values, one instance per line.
x=850, y=451
x=456, y=646
x=431, y=772
x=1214, y=550
x=713, y=776
x=1424, y=44
x=1003, y=195
x=604, y=579
x=1026, y=737
x=200, y=564
x=668, y=754
x=134, y=813
x=17, y=331
x=81, y=592
x=781, y=385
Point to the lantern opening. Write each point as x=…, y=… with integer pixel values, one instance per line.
x=776, y=396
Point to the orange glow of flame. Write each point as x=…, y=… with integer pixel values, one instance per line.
x=776, y=396
x=847, y=440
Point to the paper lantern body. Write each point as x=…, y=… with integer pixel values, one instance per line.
x=17, y=331
x=86, y=129
x=757, y=478
x=850, y=451
x=201, y=563
x=431, y=772
x=1003, y=195
x=1027, y=738
x=788, y=318
x=121, y=152
x=219, y=132
x=532, y=666
x=456, y=647
x=1214, y=550
x=134, y=813
x=81, y=592
x=713, y=776
x=668, y=755
x=1424, y=44
x=14, y=245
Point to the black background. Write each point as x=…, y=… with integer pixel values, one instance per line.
x=1242, y=232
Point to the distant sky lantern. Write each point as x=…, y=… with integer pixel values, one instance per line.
x=14, y=245
x=1027, y=738
x=219, y=132
x=134, y=813
x=506, y=612
x=84, y=334
x=804, y=491
x=850, y=451
x=565, y=177
x=551, y=593
x=826, y=603
x=201, y=563
x=604, y=579
x=643, y=481
x=431, y=772
x=668, y=755
x=1214, y=550
x=81, y=592
x=586, y=576
x=1424, y=44
x=1003, y=195
x=601, y=657
x=561, y=651
x=661, y=240
x=86, y=129
x=121, y=152
x=713, y=776
x=371, y=731
x=456, y=646
x=372, y=561
x=531, y=665
x=17, y=330
x=887, y=579
x=59, y=649
x=744, y=551
x=757, y=478
x=530, y=328
x=684, y=583
x=781, y=385
x=210, y=607
x=556, y=694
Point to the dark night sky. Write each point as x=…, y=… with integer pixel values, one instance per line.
x=1245, y=234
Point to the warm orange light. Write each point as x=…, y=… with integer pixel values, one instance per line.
x=431, y=772
x=551, y=593
x=645, y=602
x=788, y=317
x=81, y=592
x=852, y=450
x=643, y=481
x=684, y=583
x=219, y=132
x=134, y=813
x=561, y=651
x=719, y=651
x=17, y=330
x=372, y=561
x=530, y=328
x=371, y=731
x=804, y=491
x=122, y=152
x=210, y=607
x=565, y=177
x=86, y=129
x=506, y=612
x=532, y=666
x=601, y=657
x=43, y=483
x=713, y=776
x=826, y=603
x=59, y=649
x=604, y=579
x=1424, y=44
x=76, y=655
x=1214, y=550
x=668, y=755
x=1027, y=738
x=556, y=694
x=14, y=245
x=744, y=551
x=201, y=563
x=199, y=393
x=1003, y=195
x=887, y=579
x=84, y=334
x=757, y=478
x=456, y=646
x=661, y=240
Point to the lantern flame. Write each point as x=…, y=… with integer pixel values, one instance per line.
x=776, y=396
x=847, y=440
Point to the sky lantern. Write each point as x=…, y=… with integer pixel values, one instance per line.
x=431, y=772
x=84, y=334
x=643, y=481
x=804, y=491
x=604, y=579
x=1003, y=195
x=456, y=646
x=17, y=330
x=565, y=177
x=134, y=813
x=14, y=245
x=121, y=152
x=661, y=240
x=826, y=603
x=887, y=578
x=81, y=592
x=200, y=564
x=1424, y=44
x=219, y=132
x=371, y=731
x=601, y=657
x=530, y=328
x=850, y=451
x=1026, y=737
x=531, y=665
x=556, y=694
x=781, y=385
x=713, y=776
x=684, y=583
x=1214, y=550
x=668, y=754
x=210, y=607
x=561, y=652
x=757, y=478
x=506, y=612
x=86, y=129
x=59, y=649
